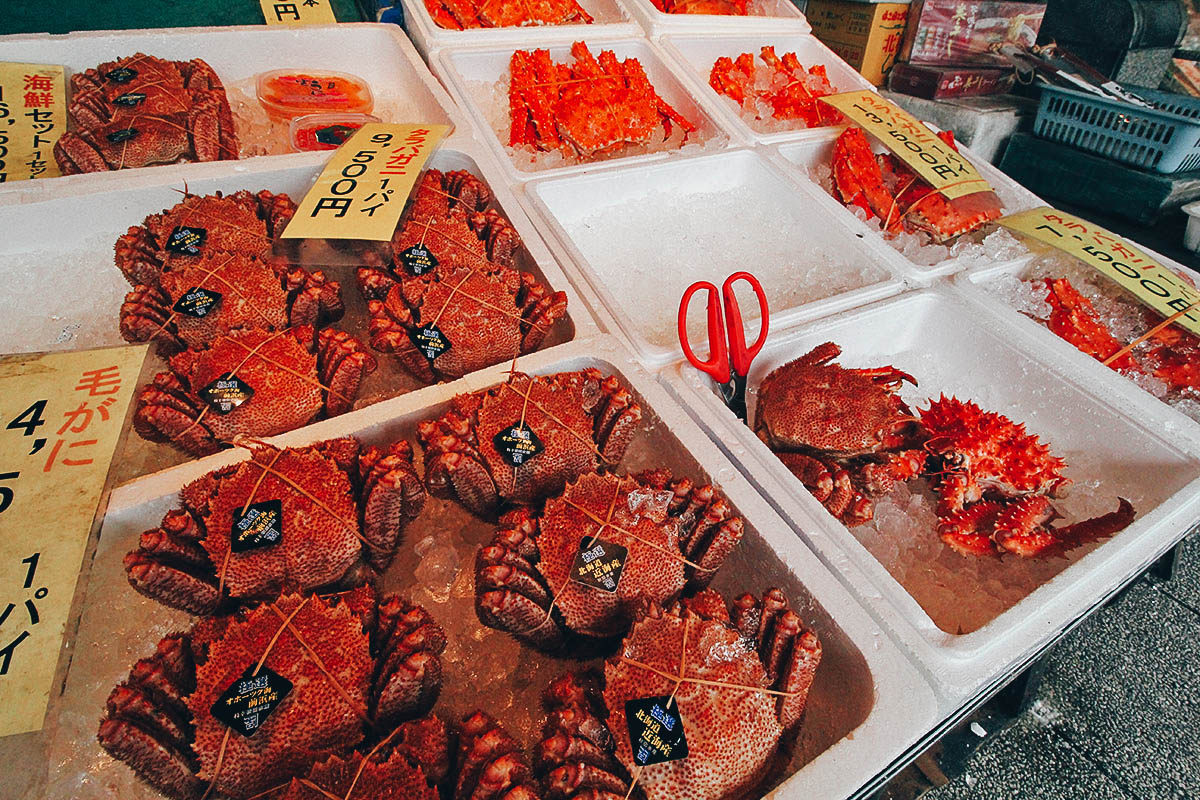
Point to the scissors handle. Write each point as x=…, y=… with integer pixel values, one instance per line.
x=718, y=363
x=742, y=355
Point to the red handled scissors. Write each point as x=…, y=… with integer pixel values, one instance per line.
x=726, y=338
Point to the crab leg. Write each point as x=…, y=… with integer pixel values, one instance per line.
x=859, y=180
x=1020, y=528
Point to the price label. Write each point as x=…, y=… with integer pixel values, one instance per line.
x=298, y=12
x=1150, y=282
x=939, y=164
x=655, y=730
x=363, y=189
x=33, y=114
x=599, y=564
x=61, y=415
x=260, y=526
x=430, y=340
x=250, y=699
x=226, y=393
x=518, y=444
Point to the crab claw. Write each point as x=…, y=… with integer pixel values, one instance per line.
x=491, y=763
x=577, y=752
x=1020, y=529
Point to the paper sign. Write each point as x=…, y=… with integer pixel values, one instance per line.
x=1149, y=281
x=33, y=114
x=940, y=165
x=298, y=12
x=61, y=415
x=363, y=189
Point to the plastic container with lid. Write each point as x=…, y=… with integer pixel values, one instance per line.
x=326, y=131
x=290, y=93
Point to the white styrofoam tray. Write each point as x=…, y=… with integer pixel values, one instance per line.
x=640, y=236
x=474, y=75
x=867, y=706
x=610, y=18
x=1113, y=447
x=403, y=87
x=766, y=15
x=697, y=53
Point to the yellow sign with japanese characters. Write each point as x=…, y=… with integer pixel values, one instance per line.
x=61, y=415
x=363, y=189
x=1149, y=281
x=939, y=164
x=298, y=12
x=33, y=114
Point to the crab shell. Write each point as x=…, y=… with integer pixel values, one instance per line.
x=524, y=580
x=294, y=379
x=356, y=778
x=343, y=506
x=353, y=664
x=584, y=420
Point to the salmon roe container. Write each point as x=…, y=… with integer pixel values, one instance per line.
x=289, y=93
x=326, y=131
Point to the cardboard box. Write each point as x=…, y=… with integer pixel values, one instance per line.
x=965, y=32
x=867, y=36
x=934, y=83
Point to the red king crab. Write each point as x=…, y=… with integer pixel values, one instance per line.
x=453, y=300
x=590, y=108
x=792, y=93
x=737, y=678
x=885, y=187
x=994, y=482
x=141, y=111
x=340, y=507
x=845, y=433
x=251, y=382
x=725, y=7
x=598, y=551
x=575, y=421
x=239, y=705
x=465, y=14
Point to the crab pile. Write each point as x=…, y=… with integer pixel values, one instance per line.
x=451, y=299
x=883, y=186
x=457, y=15
x=784, y=90
x=141, y=111
x=591, y=108
x=849, y=438
x=724, y=7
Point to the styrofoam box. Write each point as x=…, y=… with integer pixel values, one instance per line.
x=473, y=73
x=403, y=87
x=867, y=706
x=698, y=52
x=1113, y=447
x=610, y=18
x=640, y=236
x=766, y=15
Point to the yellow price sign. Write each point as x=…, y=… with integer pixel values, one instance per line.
x=298, y=12
x=362, y=191
x=61, y=415
x=939, y=164
x=1150, y=282
x=33, y=114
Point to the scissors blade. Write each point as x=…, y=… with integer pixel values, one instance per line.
x=733, y=392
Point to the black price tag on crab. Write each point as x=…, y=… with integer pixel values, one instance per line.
x=226, y=393
x=517, y=444
x=334, y=134
x=260, y=525
x=430, y=340
x=599, y=564
x=250, y=699
x=655, y=730
x=129, y=99
x=419, y=259
x=123, y=135
x=187, y=241
x=121, y=74
x=197, y=302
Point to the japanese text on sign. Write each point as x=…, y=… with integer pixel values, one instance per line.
x=1152, y=283
x=298, y=12
x=60, y=418
x=33, y=114
x=940, y=165
x=363, y=189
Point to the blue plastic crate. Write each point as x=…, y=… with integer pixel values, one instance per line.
x=1164, y=139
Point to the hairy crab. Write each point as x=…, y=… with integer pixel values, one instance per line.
x=589, y=108
x=341, y=669
x=845, y=433
x=737, y=678
x=578, y=421
x=885, y=187
x=994, y=481
x=460, y=15
x=251, y=382
x=665, y=535
x=791, y=91
x=140, y=111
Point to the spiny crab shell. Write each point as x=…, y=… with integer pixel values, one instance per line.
x=584, y=420
x=343, y=508
x=676, y=535
x=845, y=433
x=295, y=376
x=356, y=666
x=734, y=735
